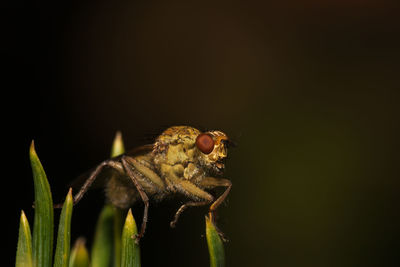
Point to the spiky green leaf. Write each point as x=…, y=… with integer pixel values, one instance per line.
x=61, y=258
x=130, y=256
x=79, y=254
x=42, y=246
x=215, y=245
x=102, y=250
x=118, y=145
x=24, y=248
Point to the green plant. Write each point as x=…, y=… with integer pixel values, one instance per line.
x=215, y=245
x=113, y=243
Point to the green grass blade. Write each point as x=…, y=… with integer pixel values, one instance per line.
x=118, y=145
x=102, y=249
x=61, y=258
x=24, y=248
x=79, y=254
x=116, y=150
x=215, y=245
x=130, y=250
x=42, y=246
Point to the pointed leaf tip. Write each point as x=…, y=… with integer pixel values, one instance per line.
x=24, y=247
x=69, y=195
x=62, y=254
x=24, y=220
x=79, y=254
x=32, y=150
x=118, y=145
x=130, y=223
x=130, y=255
x=129, y=218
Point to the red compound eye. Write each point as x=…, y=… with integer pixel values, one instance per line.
x=205, y=143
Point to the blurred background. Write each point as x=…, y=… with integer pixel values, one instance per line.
x=308, y=90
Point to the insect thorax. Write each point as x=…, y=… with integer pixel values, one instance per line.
x=175, y=153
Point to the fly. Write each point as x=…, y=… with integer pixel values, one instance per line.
x=182, y=160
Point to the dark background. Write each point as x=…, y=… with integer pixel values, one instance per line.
x=308, y=90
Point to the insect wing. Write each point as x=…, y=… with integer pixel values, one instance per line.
x=141, y=150
x=100, y=182
x=106, y=173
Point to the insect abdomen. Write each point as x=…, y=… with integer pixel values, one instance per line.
x=120, y=191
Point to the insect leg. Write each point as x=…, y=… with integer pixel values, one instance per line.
x=91, y=179
x=192, y=191
x=183, y=208
x=145, y=199
x=211, y=182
